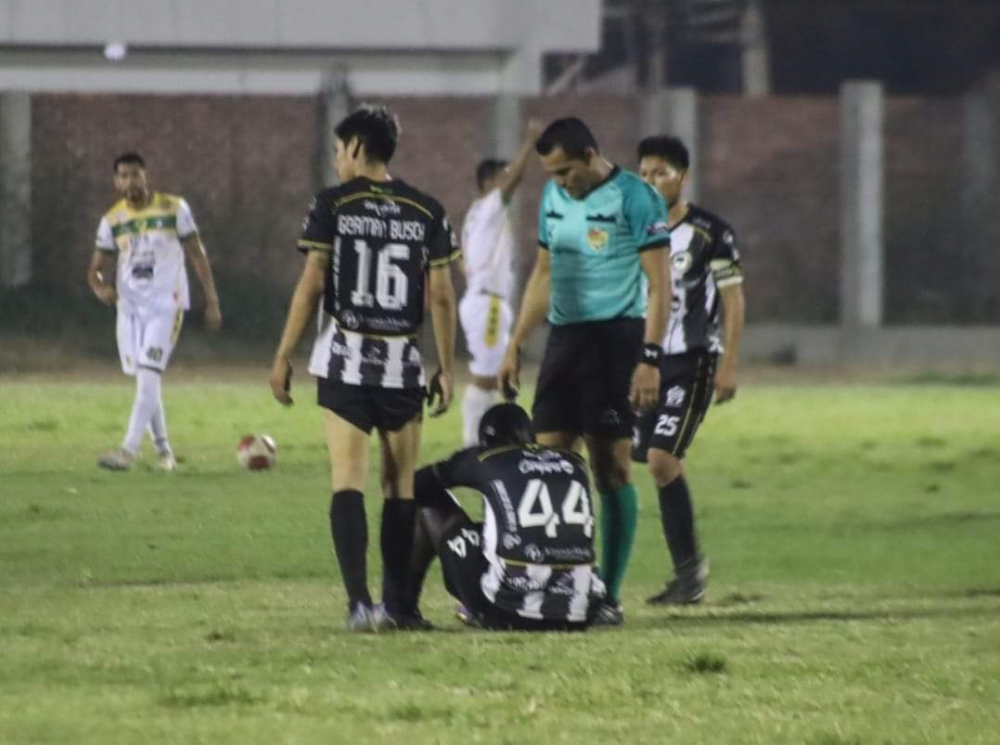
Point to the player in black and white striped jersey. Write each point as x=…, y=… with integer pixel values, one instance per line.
x=530, y=564
x=375, y=247
x=700, y=355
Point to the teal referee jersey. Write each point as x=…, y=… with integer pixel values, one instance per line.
x=594, y=245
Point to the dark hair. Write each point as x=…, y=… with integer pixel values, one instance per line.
x=487, y=169
x=129, y=158
x=671, y=149
x=505, y=424
x=571, y=134
x=376, y=127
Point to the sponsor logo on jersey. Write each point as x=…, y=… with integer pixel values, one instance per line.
x=510, y=540
x=382, y=208
x=350, y=319
x=681, y=262
x=534, y=466
x=675, y=396
x=597, y=238
x=660, y=227
x=534, y=553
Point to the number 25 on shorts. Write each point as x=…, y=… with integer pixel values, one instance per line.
x=666, y=425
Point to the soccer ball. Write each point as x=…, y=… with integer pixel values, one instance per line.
x=257, y=452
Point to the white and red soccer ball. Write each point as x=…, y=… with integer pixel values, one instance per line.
x=257, y=452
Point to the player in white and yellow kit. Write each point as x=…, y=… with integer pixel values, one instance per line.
x=488, y=248
x=147, y=236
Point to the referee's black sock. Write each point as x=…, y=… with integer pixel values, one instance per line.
x=349, y=528
x=677, y=516
x=398, y=517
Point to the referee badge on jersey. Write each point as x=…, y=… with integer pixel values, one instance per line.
x=597, y=238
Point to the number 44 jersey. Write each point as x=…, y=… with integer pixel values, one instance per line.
x=382, y=238
x=538, y=528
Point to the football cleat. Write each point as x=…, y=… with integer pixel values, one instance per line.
x=609, y=614
x=687, y=588
x=116, y=460
x=413, y=621
x=382, y=620
x=361, y=619
x=166, y=461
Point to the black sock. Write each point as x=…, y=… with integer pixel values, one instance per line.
x=677, y=516
x=398, y=517
x=420, y=561
x=349, y=528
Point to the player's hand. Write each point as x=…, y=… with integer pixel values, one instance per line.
x=725, y=385
x=509, y=377
x=213, y=317
x=441, y=389
x=281, y=381
x=107, y=294
x=645, y=391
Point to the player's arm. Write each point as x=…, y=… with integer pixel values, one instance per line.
x=645, y=390
x=195, y=251
x=534, y=308
x=733, y=311
x=444, y=317
x=101, y=276
x=515, y=171
x=301, y=311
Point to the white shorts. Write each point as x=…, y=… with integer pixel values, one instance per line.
x=147, y=339
x=486, y=321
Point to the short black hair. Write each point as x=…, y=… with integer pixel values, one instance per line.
x=487, y=169
x=671, y=149
x=129, y=158
x=571, y=134
x=505, y=424
x=376, y=127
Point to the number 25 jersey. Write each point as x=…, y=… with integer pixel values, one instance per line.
x=382, y=238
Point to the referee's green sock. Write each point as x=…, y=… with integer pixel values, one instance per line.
x=619, y=521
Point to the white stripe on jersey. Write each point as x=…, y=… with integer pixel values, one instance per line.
x=352, y=363
x=393, y=375
x=580, y=601
x=493, y=577
x=539, y=576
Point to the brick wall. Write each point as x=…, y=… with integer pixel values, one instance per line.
x=248, y=167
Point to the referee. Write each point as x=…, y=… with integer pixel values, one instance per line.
x=601, y=235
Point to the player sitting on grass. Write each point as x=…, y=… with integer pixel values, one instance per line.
x=530, y=565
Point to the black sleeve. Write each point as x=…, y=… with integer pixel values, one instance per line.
x=318, y=226
x=442, y=244
x=461, y=469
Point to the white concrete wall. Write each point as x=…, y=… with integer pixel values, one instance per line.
x=235, y=46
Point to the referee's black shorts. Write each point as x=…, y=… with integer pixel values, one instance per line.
x=687, y=382
x=584, y=381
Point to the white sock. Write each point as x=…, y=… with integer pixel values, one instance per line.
x=158, y=429
x=475, y=402
x=147, y=401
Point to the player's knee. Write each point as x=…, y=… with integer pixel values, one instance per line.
x=611, y=473
x=663, y=466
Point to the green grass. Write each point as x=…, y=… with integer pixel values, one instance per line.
x=854, y=534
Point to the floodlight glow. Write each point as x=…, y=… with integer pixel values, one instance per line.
x=115, y=51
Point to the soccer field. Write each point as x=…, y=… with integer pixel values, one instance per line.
x=854, y=534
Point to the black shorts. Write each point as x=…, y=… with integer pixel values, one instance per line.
x=463, y=566
x=368, y=406
x=687, y=382
x=584, y=381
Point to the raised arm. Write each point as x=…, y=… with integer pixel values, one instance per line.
x=195, y=251
x=508, y=185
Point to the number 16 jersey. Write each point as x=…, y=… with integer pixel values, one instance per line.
x=382, y=238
